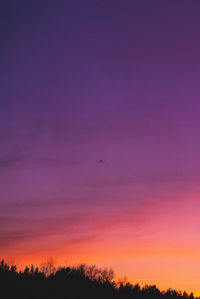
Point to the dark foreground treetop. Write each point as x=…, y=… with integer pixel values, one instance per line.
x=82, y=282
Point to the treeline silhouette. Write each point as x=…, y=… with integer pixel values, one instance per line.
x=84, y=282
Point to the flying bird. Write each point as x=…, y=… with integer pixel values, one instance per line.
x=101, y=161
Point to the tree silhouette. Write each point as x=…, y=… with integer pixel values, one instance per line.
x=49, y=282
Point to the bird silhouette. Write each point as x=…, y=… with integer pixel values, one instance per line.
x=101, y=161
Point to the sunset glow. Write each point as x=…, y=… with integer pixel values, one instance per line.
x=99, y=137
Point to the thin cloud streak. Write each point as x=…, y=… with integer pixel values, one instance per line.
x=9, y=162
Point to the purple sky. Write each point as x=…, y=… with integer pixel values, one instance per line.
x=88, y=80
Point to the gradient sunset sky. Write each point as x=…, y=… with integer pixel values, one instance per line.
x=102, y=79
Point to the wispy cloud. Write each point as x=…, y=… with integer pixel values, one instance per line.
x=10, y=161
x=71, y=228
x=151, y=178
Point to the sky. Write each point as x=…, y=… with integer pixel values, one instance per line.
x=83, y=81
